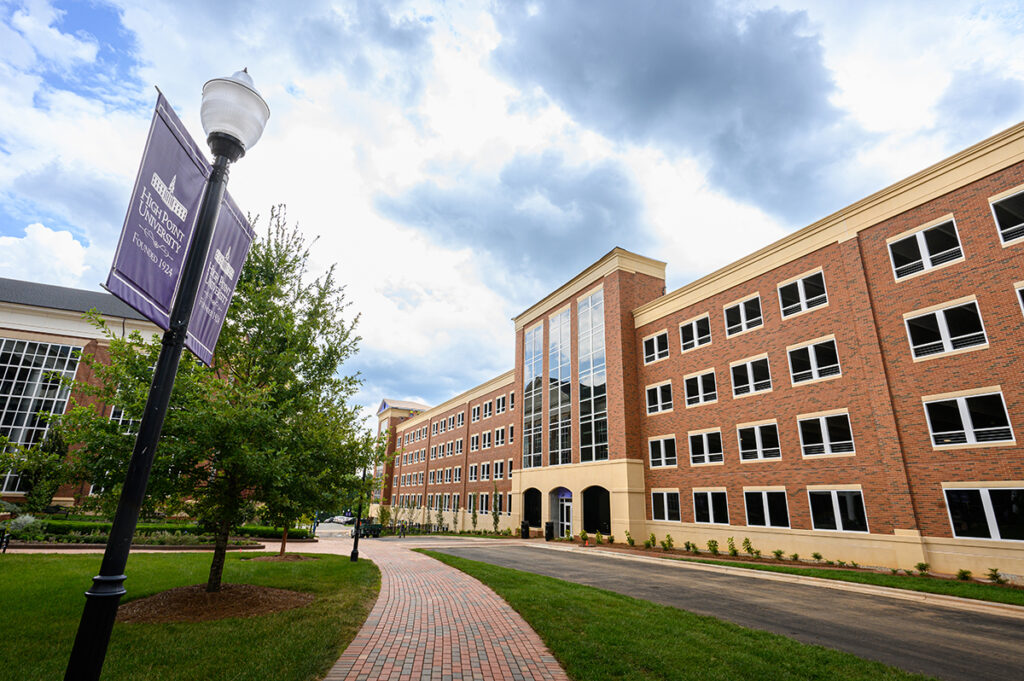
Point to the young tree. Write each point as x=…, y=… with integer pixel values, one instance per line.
x=269, y=422
x=43, y=467
x=495, y=514
x=475, y=498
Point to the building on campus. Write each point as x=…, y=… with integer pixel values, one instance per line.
x=853, y=389
x=42, y=334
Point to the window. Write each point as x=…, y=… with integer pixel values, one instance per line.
x=498, y=498
x=485, y=505
x=766, y=509
x=826, y=435
x=706, y=447
x=838, y=510
x=499, y=405
x=533, y=381
x=486, y=444
x=925, y=249
x=752, y=376
x=430, y=501
x=448, y=448
x=663, y=452
x=659, y=398
x=474, y=443
x=817, y=360
x=510, y=469
x=433, y=452
x=471, y=502
x=441, y=425
x=447, y=475
x=696, y=333
x=472, y=472
x=1009, y=215
x=460, y=418
x=475, y=414
x=511, y=433
x=433, y=428
x=759, y=442
x=488, y=409
x=1019, y=287
x=968, y=420
x=451, y=422
x=499, y=470
x=593, y=398
x=512, y=400
x=455, y=502
x=430, y=478
x=656, y=347
x=710, y=507
x=987, y=513
x=458, y=474
x=559, y=389
x=508, y=505
x=803, y=294
x=665, y=506
x=458, y=447
x=447, y=502
x=700, y=389
x=743, y=316
x=485, y=471
x=499, y=437
x=946, y=330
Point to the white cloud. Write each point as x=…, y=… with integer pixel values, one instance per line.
x=35, y=22
x=44, y=255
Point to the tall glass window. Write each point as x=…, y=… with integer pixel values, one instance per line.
x=559, y=390
x=533, y=399
x=30, y=376
x=593, y=388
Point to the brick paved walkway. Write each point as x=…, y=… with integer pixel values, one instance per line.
x=433, y=622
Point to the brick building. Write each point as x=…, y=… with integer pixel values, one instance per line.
x=853, y=389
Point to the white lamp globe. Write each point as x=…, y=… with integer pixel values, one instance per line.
x=232, y=106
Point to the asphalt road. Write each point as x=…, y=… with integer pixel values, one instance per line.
x=928, y=639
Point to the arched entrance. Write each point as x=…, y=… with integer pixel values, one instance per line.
x=531, y=507
x=597, y=510
x=561, y=511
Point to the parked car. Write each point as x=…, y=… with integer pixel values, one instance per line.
x=368, y=528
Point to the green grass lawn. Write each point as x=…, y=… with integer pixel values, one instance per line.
x=597, y=634
x=41, y=602
x=947, y=587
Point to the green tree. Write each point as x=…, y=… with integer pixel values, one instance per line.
x=495, y=515
x=269, y=423
x=475, y=498
x=43, y=467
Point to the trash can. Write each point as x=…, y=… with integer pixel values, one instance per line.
x=549, y=531
x=524, y=529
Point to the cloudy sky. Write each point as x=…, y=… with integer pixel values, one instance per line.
x=459, y=160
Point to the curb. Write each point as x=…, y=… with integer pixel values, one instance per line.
x=953, y=602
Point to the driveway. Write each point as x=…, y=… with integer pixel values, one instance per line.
x=918, y=637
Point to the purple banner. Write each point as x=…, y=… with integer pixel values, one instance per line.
x=229, y=247
x=161, y=218
x=158, y=231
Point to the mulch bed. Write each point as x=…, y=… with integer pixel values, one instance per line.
x=193, y=604
x=286, y=558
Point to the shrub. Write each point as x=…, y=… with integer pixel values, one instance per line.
x=816, y=556
x=629, y=539
x=756, y=553
x=995, y=577
x=713, y=547
x=794, y=556
x=26, y=523
x=854, y=564
x=895, y=571
x=841, y=563
x=963, y=575
x=778, y=553
x=922, y=568
x=598, y=539
x=747, y=546
x=653, y=539
x=667, y=542
x=732, y=546
x=611, y=538
x=584, y=536
x=649, y=543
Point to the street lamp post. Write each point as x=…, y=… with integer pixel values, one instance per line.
x=234, y=115
x=354, y=556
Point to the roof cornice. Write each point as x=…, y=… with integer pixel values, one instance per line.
x=505, y=379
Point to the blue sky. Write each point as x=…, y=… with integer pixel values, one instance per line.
x=459, y=160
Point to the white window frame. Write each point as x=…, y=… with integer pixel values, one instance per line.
x=499, y=469
x=499, y=404
x=828, y=447
x=458, y=447
x=485, y=440
x=660, y=441
x=947, y=341
x=474, y=442
x=748, y=369
x=835, y=509
x=485, y=471
x=1018, y=229
x=758, y=438
x=745, y=324
x=458, y=474
x=697, y=339
x=472, y=472
x=474, y=414
x=499, y=437
x=764, y=501
x=488, y=409
x=970, y=433
x=817, y=373
x=660, y=407
x=460, y=419
x=803, y=305
x=711, y=506
x=986, y=504
x=928, y=261
x=658, y=353
x=664, y=493
x=702, y=434
x=701, y=395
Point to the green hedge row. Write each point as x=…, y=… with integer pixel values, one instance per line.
x=57, y=527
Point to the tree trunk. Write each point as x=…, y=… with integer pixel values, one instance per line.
x=220, y=550
x=284, y=540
